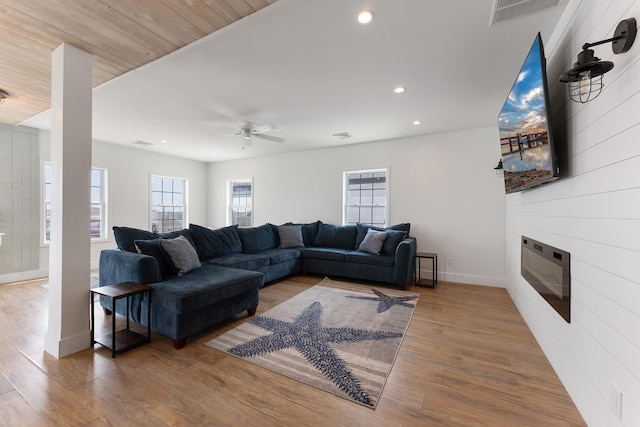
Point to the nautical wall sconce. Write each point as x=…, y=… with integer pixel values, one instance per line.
x=499, y=170
x=3, y=95
x=585, y=78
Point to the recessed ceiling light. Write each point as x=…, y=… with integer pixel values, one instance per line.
x=365, y=17
x=164, y=140
x=417, y=122
x=399, y=89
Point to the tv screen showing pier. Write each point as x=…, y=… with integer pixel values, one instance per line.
x=526, y=143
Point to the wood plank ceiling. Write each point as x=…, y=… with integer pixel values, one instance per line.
x=120, y=34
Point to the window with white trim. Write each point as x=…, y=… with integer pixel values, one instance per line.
x=98, y=220
x=240, y=202
x=365, y=197
x=168, y=204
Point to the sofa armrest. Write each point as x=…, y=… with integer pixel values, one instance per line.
x=117, y=266
x=405, y=263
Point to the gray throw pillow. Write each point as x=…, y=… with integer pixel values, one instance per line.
x=373, y=241
x=290, y=236
x=180, y=255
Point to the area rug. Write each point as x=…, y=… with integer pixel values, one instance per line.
x=339, y=337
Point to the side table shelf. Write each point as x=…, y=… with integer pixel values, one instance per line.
x=434, y=275
x=124, y=339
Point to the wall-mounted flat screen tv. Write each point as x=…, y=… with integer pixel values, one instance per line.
x=526, y=141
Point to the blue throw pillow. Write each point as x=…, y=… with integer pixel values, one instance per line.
x=126, y=237
x=153, y=248
x=394, y=237
x=215, y=243
x=257, y=239
x=333, y=236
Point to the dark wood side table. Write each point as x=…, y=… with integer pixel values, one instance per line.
x=434, y=275
x=124, y=339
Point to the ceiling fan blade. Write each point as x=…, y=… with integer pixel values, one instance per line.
x=264, y=128
x=268, y=137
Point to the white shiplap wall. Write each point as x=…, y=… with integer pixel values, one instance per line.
x=19, y=206
x=594, y=213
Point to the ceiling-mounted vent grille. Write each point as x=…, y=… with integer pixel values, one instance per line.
x=142, y=143
x=504, y=10
x=342, y=135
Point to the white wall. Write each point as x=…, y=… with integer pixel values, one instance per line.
x=444, y=185
x=594, y=213
x=129, y=172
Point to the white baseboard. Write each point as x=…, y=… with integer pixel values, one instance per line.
x=22, y=276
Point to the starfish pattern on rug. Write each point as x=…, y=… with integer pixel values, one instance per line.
x=311, y=340
x=385, y=301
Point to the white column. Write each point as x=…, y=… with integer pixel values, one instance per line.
x=69, y=251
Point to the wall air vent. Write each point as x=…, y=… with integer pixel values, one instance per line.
x=504, y=10
x=142, y=143
x=342, y=135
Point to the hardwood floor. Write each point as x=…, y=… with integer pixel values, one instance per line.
x=468, y=359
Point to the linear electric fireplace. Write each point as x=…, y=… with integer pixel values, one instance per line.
x=547, y=269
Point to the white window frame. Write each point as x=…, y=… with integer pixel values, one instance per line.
x=346, y=206
x=101, y=204
x=237, y=207
x=174, y=203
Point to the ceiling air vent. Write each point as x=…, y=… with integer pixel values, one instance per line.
x=504, y=10
x=142, y=143
x=342, y=135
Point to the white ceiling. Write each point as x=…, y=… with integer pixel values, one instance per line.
x=311, y=70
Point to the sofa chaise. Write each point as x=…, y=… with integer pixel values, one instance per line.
x=200, y=277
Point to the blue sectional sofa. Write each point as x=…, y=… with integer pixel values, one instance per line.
x=199, y=276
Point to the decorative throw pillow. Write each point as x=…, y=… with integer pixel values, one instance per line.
x=215, y=243
x=394, y=237
x=153, y=248
x=257, y=239
x=126, y=236
x=180, y=255
x=333, y=236
x=373, y=241
x=290, y=236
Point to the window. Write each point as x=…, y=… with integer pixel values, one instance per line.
x=240, y=203
x=365, y=197
x=98, y=221
x=168, y=209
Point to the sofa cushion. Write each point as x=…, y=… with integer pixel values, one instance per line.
x=180, y=255
x=395, y=235
x=359, y=257
x=373, y=241
x=329, y=254
x=257, y=239
x=333, y=236
x=203, y=287
x=215, y=243
x=244, y=261
x=126, y=237
x=153, y=248
x=277, y=256
x=309, y=231
x=290, y=236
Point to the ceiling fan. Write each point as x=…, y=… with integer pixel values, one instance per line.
x=247, y=130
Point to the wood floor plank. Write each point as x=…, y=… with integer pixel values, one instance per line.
x=468, y=359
